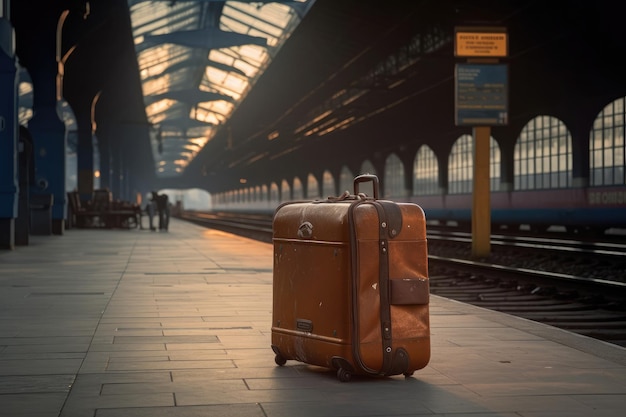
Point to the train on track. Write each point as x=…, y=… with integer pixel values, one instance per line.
x=577, y=210
x=584, y=210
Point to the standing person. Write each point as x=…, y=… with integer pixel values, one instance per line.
x=150, y=210
x=163, y=208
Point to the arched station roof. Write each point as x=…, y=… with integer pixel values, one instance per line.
x=342, y=80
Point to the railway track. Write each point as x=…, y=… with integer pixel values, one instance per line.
x=573, y=285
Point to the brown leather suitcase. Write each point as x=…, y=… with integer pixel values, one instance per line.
x=350, y=288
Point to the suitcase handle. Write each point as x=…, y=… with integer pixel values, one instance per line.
x=365, y=178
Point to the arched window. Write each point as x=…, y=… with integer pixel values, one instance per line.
x=298, y=192
x=461, y=165
x=346, y=180
x=606, y=146
x=425, y=172
x=367, y=168
x=394, y=177
x=543, y=155
x=274, y=196
x=312, y=188
x=495, y=161
x=285, y=191
x=328, y=185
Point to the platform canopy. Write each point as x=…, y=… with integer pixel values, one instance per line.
x=197, y=60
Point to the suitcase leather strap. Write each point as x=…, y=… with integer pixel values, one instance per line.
x=388, y=213
x=391, y=225
x=385, y=227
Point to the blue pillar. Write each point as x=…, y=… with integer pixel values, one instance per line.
x=8, y=137
x=25, y=167
x=49, y=142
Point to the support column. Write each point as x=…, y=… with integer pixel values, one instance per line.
x=104, y=163
x=580, y=126
x=84, y=158
x=50, y=145
x=26, y=174
x=125, y=195
x=116, y=171
x=47, y=129
x=481, y=205
x=8, y=137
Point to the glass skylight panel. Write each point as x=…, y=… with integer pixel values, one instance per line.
x=274, y=14
x=155, y=86
x=252, y=54
x=215, y=112
x=229, y=84
x=157, y=79
x=244, y=18
x=158, y=111
x=235, y=84
x=229, y=57
x=191, y=146
x=249, y=69
x=162, y=17
x=199, y=142
x=165, y=55
x=231, y=25
x=220, y=55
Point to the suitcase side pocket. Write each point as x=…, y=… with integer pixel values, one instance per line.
x=409, y=291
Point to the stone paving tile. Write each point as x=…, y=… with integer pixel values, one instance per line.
x=166, y=339
x=228, y=410
x=85, y=396
x=168, y=365
x=47, y=341
x=201, y=376
x=87, y=405
x=171, y=387
x=39, y=366
x=15, y=384
x=45, y=348
x=32, y=404
x=102, y=346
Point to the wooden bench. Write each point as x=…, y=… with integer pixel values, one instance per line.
x=82, y=216
x=123, y=215
x=102, y=212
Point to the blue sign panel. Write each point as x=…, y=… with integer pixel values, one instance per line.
x=481, y=94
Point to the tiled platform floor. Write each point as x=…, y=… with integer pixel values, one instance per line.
x=133, y=323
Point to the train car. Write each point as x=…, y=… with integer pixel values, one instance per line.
x=578, y=210
x=584, y=210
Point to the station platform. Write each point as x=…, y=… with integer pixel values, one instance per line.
x=134, y=323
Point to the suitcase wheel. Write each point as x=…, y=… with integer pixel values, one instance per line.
x=280, y=360
x=408, y=374
x=343, y=375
